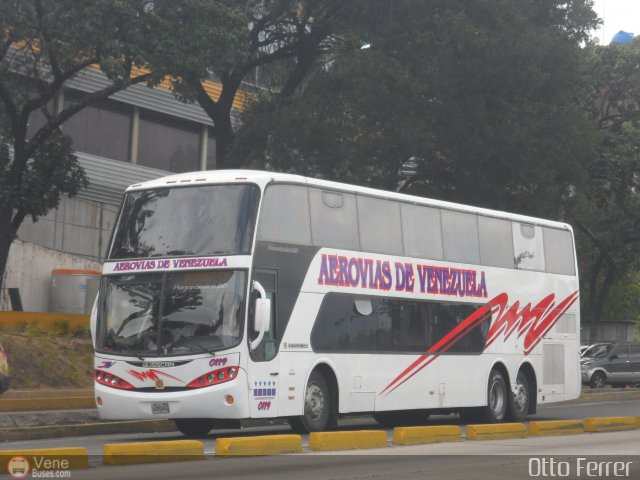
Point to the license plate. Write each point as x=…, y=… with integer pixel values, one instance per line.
x=161, y=408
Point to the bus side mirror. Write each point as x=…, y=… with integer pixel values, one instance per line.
x=262, y=321
x=262, y=315
x=93, y=320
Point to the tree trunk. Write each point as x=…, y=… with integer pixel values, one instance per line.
x=220, y=113
x=599, y=293
x=224, y=139
x=6, y=238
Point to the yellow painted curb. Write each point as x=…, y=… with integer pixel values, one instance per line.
x=637, y=422
x=419, y=435
x=610, y=424
x=496, y=431
x=152, y=452
x=263, y=445
x=61, y=403
x=48, y=458
x=556, y=427
x=356, y=440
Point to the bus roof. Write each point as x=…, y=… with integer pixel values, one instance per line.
x=262, y=178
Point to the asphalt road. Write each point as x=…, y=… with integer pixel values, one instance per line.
x=95, y=443
x=499, y=459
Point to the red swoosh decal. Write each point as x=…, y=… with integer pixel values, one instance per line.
x=534, y=323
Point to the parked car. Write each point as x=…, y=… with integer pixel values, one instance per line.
x=616, y=364
x=5, y=380
x=594, y=350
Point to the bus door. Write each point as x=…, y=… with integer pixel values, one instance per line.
x=263, y=366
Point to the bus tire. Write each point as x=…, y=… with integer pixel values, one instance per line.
x=519, y=399
x=497, y=402
x=319, y=412
x=194, y=427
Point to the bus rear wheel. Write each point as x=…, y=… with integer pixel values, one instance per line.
x=519, y=399
x=319, y=412
x=194, y=427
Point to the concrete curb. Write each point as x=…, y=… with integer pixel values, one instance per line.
x=356, y=440
x=152, y=452
x=422, y=435
x=556, y=427
x=65, y=458
x=61, y=403
x=58, y=431
x=257, y=446
x=610, y=424
x=496, y=431
x=179, y=450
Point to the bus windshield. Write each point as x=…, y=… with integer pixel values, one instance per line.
x=203, y=220
x=174, y=313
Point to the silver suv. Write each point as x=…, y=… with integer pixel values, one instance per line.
x=613, y=364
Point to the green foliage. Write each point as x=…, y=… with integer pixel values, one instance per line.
x=623, y=302
x=203, y=36
x=484, y=95
x=232, y=41
x=606, y=208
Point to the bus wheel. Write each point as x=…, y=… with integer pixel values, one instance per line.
x=497, y=402
x=194, y=427
x=598, y=380
x=519, y=399
x=319, y=413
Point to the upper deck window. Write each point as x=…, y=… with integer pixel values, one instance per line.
x=206, y=220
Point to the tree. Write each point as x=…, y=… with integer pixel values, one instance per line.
x=606, y=211
x=482, y=96
x=45, y=43
x=291, y=34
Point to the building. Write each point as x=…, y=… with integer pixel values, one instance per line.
x=137, y=134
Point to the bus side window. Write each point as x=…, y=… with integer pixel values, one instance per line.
x=528, y=247
x=558, y=250
x=362, y=327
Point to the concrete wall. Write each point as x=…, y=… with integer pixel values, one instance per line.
x=29, y=269
x=78, y=227
x=610, y=331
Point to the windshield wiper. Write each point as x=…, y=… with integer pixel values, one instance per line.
x=124, y=349
x=194, y=342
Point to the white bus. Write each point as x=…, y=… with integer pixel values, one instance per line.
x=231, y=295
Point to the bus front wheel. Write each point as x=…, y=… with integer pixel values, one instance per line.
x=194, y=427
x=319, y=412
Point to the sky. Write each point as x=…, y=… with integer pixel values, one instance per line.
x=617, y=15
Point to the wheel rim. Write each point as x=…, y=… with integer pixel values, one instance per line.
x=497, y=398
x=598, y=381
x=314, y=401
x=521, y=397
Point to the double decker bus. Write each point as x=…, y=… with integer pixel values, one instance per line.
x=231, y=295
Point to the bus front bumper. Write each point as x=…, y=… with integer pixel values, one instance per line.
x=228, y=400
